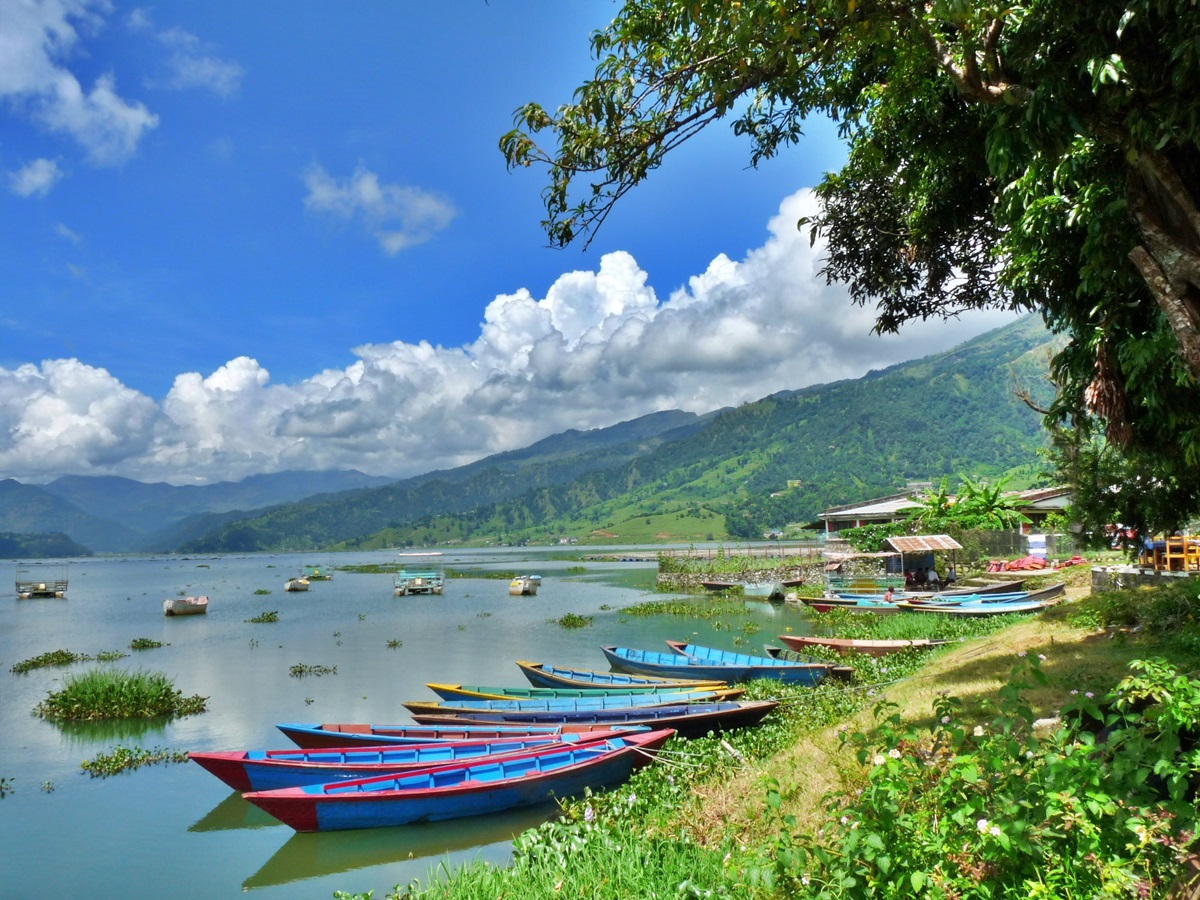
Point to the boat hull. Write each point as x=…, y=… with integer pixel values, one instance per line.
x=670, y=665
x=456, y=692
x=185, y=606
x=460, y=705
x=781, y=670
x=800, y=643
x=270, y=770
x=689, y=720
x=347, y=734
x=450, y=792
x=545, y=675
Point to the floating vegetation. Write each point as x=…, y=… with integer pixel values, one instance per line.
x=48, y=786
x=125, y=759
x=484, y=615
x=270, y=615
x=394, y=643
x=572, y=620
x=6, y=787
x=144, y=644
x=576, y=570
x=110, y=655
x=53, y=658
x=301, y=669
x=696, y=608
x=118, y=694
x=261, y=591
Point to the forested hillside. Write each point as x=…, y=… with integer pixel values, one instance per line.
x=728, y=475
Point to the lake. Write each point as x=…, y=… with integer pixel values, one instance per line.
x=173, y=830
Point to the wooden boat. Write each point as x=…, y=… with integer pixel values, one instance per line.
x=464, y=706
x=448, y=792
x=526, y=585
x=671, y=665
x=841, y=673
x=1034, y=601
x=351, y=734
x=825, y=604
x=546, y=675
x=419, y=573
x=999, y=587
x=770, y=590
x=269, y=770
x=688, y=719
x=870, y=647
x=185, y=606
x=781, y=670
x=719, y=585
x=296, y=584
x=456, y=692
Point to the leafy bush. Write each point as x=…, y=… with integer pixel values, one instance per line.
x=998, y=809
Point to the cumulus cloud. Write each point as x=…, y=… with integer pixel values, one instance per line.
x=36, y=39
x=396, y=216
x=34, y=179
x=599, y=348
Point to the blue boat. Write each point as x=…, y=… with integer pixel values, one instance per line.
x=991, y=604
x=449, y=792
x=561, y=704
x=688, y=719
x=353, y=734
x=782, y=670
x=671, y=665
x=546, y=675
x=269, y=770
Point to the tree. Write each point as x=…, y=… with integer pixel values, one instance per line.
x=1027, y=155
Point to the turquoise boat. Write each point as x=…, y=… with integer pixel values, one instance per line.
x=782, y=670
x=456, y=692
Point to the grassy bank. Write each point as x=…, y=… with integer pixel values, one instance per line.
x=973, y=772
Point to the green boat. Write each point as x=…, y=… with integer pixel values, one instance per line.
x=703, y=692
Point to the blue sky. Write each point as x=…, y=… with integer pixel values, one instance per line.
x=247, y=237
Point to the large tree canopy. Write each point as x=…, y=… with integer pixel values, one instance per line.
x=1031, y=155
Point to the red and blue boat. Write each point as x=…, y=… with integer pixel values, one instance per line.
x=453, y=791
x=349, y=734
x=268, y=770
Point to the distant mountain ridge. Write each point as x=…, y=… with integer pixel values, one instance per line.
x=110, y=514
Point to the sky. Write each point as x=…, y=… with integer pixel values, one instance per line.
x=241, y=238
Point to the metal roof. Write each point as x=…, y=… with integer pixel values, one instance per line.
x=923, y=543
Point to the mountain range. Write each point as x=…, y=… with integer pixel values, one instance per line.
x=675, y=475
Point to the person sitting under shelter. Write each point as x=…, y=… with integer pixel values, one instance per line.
x=932, y=577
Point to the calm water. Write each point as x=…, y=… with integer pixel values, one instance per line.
x=173, y=830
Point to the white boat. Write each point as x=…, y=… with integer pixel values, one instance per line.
x=771, y=590
x=525, y=585
x=419, y=573
x=296, y=584
x=185, y=606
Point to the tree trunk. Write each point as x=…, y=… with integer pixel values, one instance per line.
x=1169, y=257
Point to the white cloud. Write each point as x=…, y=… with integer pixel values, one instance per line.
x=397, y=216
x=598, y=349
x=192, y=65
x=35, y=179
x=36, y=40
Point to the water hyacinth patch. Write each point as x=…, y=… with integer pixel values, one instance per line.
x=118, y=694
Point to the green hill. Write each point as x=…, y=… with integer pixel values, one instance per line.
x=725, y=475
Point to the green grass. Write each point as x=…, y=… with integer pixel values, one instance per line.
x=117, y=694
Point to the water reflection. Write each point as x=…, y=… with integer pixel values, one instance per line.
x=234, y=813
x=305, y=856
x=107, y=730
